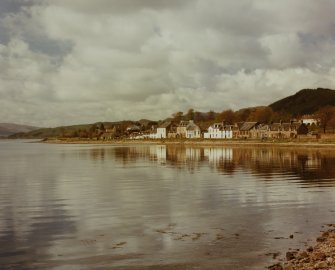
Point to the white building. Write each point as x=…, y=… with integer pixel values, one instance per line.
x=163, y=130
x=219, y=131
x=310, y=120
x=192, y=131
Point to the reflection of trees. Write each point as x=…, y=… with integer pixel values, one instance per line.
x=265, y=162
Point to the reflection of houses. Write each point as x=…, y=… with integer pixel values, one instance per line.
x=187, y=129
x=216, y=155
x=193, y=154
x=219, y=131
x=159, y=153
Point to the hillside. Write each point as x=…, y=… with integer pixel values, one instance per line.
x=77, y=130
x=306, y=101
x=7, y=129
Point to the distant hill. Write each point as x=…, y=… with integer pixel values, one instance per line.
x=77, y=130
x=7, y=129
x=306, y=101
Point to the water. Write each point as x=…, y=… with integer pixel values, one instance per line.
x=159, y=207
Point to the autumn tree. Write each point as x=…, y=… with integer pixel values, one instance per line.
x=325, y=114
x=211, y=115
x=242, y=115
x=281, y=116
x=227, y=116
x=198, y=116
x=178, y=116
x=261, y=114
x=190, y=114
x=332, y=123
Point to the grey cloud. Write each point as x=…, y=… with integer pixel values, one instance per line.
x=66, y=62
x=116, y=6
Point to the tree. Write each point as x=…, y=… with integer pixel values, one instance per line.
x=262, y=115
x=242, y=115
x=177, y=117
x=325, y=114
x=331, y=123
x=227, y=116
x=92, y=131
x=281, y=116
x=190, y=114
x=198, y=117
x=211, y=115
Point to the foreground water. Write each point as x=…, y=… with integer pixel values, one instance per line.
x=159, y=207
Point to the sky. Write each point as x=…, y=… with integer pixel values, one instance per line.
x=68, y=62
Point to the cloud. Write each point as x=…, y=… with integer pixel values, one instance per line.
x=66, y=62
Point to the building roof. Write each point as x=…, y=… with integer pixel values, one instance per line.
x=246, y=126
x=221, y=126
x=133, y=128
x=285, y=126
x=192, y=126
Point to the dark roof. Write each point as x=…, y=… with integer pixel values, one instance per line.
x=285, y=126
x=246, y=126
x=165, y=125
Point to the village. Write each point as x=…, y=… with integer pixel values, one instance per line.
x=302, y=128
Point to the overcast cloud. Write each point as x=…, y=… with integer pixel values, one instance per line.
x=82, y=61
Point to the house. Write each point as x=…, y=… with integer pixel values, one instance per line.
x=133, y=129
x=181, y=129
x=186, y=129
x=219, y=131
x=164, y=129
x=245, y=130
x=309, y=120
x=287, y=130
x=192, y=130
x=111, y=133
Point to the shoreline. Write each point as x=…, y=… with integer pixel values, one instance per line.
x=319, y=256
x=203, y=142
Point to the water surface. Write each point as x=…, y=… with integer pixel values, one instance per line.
x=156, y=206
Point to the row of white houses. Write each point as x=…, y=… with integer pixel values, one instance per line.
x=189, y=130
x=241, y=130
x=219, y=131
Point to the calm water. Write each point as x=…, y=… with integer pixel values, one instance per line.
x=119, y=207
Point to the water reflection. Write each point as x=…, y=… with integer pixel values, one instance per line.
x=312, y=167
x=98, y=207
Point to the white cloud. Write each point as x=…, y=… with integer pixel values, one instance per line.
x=65, y=62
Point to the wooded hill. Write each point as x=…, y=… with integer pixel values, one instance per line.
x=306, y=101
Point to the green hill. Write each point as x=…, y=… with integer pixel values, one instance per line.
x=306, y=101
